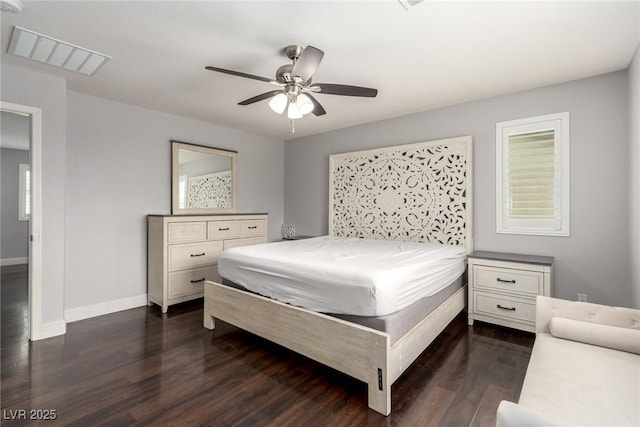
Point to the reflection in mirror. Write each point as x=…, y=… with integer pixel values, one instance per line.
x=203, y=179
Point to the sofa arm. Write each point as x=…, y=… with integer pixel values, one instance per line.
x=547, y=307
x=513, y=415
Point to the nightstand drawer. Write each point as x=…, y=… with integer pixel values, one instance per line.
x=193, y=255
x=222, y=229
x=520, y=309
x=505, y=279
x=191, y=281
x=187, y=231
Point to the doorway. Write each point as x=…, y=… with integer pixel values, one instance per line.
x=21, y=222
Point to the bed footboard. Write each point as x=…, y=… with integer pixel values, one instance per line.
x=355, y=350
x=413, y=343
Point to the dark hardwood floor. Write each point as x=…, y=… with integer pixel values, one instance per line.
x=138, y=367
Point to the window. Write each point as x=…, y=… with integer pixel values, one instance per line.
x=24, y=195
x=532, y=175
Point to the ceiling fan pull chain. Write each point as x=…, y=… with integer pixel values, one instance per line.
x=293, y=127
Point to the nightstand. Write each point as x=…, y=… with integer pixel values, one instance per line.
x=503, y=287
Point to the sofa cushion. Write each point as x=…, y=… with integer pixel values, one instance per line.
x=581, y=384
x=625, y=339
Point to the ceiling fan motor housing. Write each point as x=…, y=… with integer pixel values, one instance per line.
x=293, y=52
x=283, y=74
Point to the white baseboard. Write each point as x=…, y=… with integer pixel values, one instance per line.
x=14, y=261
x=75, y=314
x=53, y=329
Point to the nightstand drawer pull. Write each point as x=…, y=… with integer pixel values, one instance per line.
x=253, y=228
x=505, y=308
x=198, y=281
x=223, y=229
x=195, y=255
x=506, y=281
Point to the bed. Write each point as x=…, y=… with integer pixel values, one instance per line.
x=410, y=193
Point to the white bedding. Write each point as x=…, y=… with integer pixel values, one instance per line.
x=344, y=275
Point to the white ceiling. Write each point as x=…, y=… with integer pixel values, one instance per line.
x=436, y=54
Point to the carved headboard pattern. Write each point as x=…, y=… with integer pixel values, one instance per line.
x=212, y=190
x=416, y=192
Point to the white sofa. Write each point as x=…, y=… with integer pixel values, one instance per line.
x=584, y=368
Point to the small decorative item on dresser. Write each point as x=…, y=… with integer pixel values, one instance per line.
x=288, y=231
x=503, y=287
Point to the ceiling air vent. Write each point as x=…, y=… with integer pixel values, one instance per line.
x=44, y=49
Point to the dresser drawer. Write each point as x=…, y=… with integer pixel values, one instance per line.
x=505, y=279
x=252, y=227
x=193, y=254
x=190, y=282
x=222, y=229
x=495, y=305
x=187, y=231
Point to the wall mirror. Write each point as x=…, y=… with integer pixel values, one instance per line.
x=203, y=179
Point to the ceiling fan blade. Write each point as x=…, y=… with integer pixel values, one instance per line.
x=308, y=63
x=260, y=97
x=240, y=74
x=318, y=110
x=335, y=89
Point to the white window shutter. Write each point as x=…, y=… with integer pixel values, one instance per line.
x=532, y=177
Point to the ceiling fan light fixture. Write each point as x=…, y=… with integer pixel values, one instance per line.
x=293, y=112
x=278, y=103
x=304, y=104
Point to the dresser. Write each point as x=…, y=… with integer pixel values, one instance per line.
x=503, y=287
x=183, y=250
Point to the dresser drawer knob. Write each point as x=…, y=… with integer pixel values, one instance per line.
x=195, y=255
x=253, y=227
x=223, y=229
x=197, y=281
x=506, y=308
x=506, y=280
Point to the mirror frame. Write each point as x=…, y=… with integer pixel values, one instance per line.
x=175, y=166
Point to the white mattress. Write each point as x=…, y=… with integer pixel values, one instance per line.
x=344, y=275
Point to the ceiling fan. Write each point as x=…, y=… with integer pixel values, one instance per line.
x=296, y=88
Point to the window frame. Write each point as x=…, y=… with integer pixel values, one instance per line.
x=559, y=225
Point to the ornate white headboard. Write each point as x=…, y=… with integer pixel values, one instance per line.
x=416, y=192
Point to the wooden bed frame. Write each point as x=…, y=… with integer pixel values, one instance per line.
x=359, y=351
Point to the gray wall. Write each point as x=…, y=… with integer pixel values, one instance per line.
x=105, y=166
x=21, y=86
x=119, y=170
x=593, y=260
x=634, y=192
x=15, y=131
x=15, y=234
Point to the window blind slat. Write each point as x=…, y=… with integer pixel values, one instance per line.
x=530, y=173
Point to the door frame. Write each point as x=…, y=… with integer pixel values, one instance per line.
x=35, y=220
